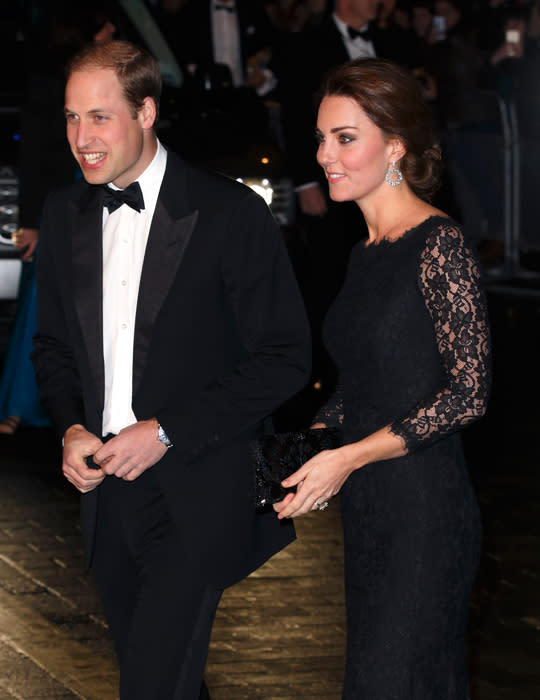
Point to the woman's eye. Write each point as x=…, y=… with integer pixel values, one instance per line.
x=344, y=138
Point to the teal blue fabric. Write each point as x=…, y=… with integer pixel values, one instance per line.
x=18, y=389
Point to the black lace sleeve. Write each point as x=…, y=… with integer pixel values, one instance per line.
x=449, y=279
x=332, y=412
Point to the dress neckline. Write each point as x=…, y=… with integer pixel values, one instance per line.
x=384, y=242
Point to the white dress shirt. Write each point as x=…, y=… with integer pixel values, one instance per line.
x=357, y=47
x=226, y=39
x=125, y=234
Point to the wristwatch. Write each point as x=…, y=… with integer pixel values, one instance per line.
x=162, y=437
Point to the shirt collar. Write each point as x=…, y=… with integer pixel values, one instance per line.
x=342, y=27
x=150, y=179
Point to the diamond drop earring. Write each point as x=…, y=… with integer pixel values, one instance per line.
x=394, y=176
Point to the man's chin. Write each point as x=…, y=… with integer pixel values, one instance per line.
x=94, y=178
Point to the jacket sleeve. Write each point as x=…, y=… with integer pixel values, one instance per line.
x=54, y=362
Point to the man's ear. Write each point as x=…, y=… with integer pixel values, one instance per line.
x=148, y=113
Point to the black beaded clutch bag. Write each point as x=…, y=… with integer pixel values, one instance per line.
x=275, y=457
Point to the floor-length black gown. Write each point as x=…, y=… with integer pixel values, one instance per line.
x=410, y=338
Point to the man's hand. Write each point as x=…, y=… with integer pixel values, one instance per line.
x=78, y=445
x=26, y=238
x=134, y=450
x=312, y=201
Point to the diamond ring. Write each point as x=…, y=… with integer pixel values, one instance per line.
x=322, y=506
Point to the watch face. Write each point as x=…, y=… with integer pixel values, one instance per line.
x=162, y=437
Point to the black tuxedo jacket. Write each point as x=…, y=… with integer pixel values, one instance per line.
x=195, y=44
x=303, y=63
x=221, y=340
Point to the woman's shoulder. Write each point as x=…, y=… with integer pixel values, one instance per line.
x=442, y=232
x=447, y=251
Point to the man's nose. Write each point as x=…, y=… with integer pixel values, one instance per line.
x=83, y=136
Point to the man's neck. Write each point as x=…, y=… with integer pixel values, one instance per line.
x=149, y=153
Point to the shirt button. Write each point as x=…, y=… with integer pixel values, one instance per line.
x=124, y=282
x=124, y=326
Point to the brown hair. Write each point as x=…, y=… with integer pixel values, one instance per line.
x=136, y=70
x=391, y=98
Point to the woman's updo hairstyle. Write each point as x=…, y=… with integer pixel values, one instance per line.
x=391, y=97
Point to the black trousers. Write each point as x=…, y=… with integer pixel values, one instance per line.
x=159, y=614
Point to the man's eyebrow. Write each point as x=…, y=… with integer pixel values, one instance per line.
x=97, y=110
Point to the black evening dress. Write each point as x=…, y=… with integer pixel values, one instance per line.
x=410, y=337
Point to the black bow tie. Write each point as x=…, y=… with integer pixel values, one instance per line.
x=365, y=34
x=132, y=196
x=221, y=6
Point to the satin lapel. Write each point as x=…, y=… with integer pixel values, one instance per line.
x=87, y=266
x=167, y=243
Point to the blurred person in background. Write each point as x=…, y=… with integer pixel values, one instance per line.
x=45, y=162
x=421, y=23
x=470, y=121
x=422, y=18
x=393, y=18
x=515, y=67
x=236, y=34
x=290, y=16
x=393, y=13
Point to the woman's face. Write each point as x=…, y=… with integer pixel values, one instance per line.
x=353, y=151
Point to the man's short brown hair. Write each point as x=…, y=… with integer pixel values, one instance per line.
x=137, y=71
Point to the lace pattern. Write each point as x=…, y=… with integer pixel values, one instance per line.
x=449, y=279
x=331, y=414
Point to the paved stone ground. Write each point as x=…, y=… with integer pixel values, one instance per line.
x=279, y=635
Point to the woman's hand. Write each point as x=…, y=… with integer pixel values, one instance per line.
x=323, y=475
x=317, y=480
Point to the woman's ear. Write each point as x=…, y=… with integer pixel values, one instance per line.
x=397, y=150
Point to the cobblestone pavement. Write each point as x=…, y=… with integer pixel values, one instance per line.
x=279, y=635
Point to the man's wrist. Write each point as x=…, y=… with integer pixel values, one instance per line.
x=75, y=426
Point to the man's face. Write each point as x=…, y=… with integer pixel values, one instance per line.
x=422, y=20
x=107, y=141
x=367, y=9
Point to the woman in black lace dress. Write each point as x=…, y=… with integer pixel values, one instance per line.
x=410, y=338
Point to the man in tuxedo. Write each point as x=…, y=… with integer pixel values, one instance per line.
x=232, y=33
x=169, y=328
